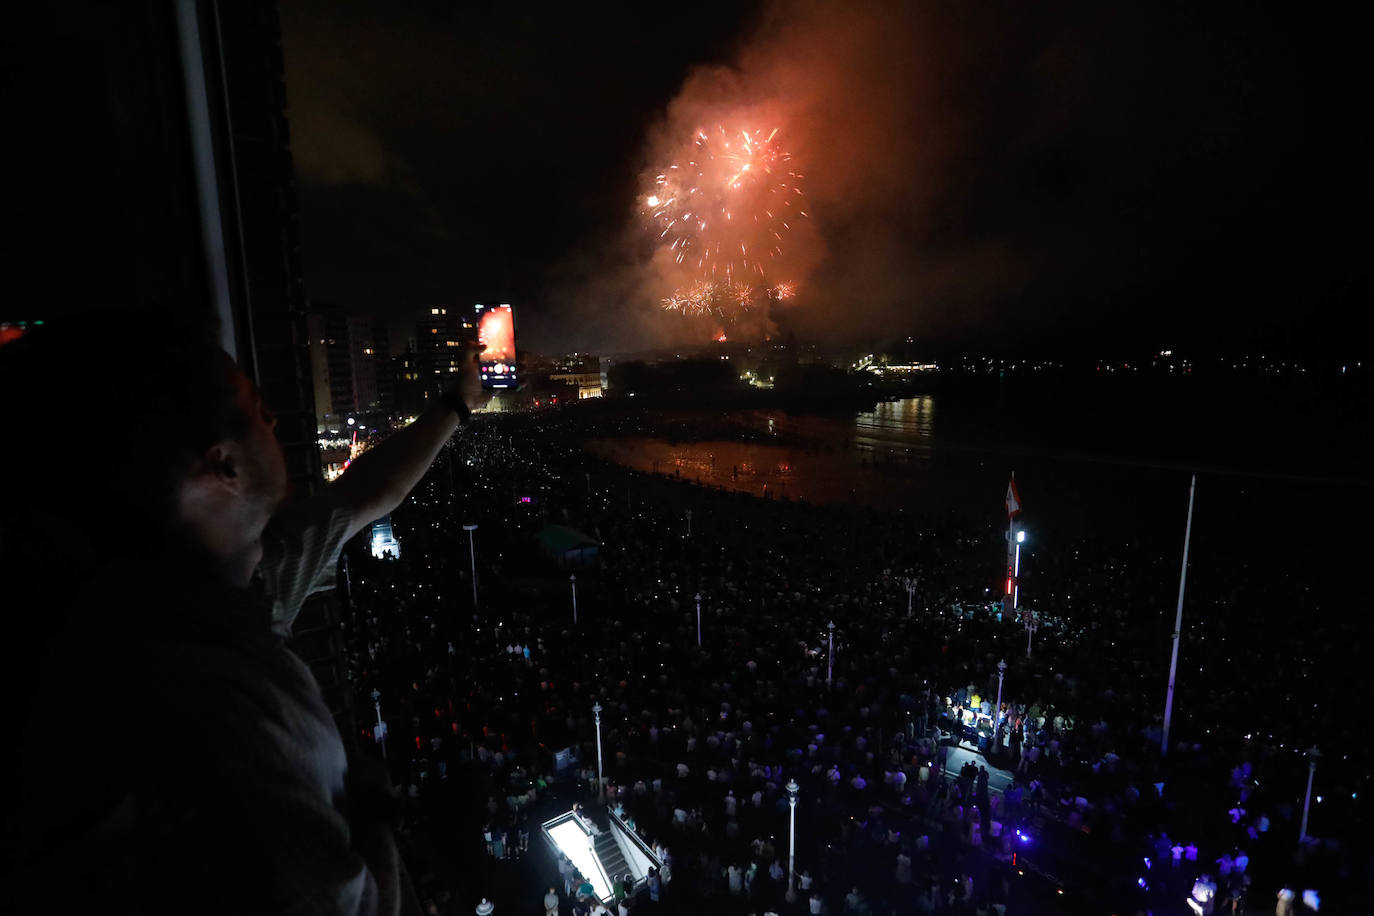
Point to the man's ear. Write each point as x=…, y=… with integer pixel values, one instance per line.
x=220, y=463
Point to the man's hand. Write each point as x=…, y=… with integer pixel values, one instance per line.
x=469, y=385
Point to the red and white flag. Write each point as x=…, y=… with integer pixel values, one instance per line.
x=1013, y=499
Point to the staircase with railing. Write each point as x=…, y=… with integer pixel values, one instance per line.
x=612, y=860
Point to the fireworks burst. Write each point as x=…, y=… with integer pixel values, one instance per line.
x=782, y=291
x=724, y=212
x=722, y=300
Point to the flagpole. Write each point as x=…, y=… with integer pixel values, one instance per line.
x=1178, y=622
x=1009, y=599
x=1011, y=569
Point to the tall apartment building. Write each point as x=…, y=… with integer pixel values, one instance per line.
x=368, y=342
x=350, y=368
x=408, y=392
x=440, y=341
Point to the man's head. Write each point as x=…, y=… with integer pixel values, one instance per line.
x=126, y=429
x=232, y=487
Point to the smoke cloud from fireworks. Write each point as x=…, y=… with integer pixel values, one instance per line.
x=830, y=101
x=952, y=160
x=974, y=173
x=967, y=171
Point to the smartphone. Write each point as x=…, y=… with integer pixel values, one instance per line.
x=496, y=335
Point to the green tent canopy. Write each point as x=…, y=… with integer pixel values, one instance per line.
x=568, y=547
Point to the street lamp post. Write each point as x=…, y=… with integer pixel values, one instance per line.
x=792, y=789
x=379, y=732
x=997, y=712
x=1016, y=570
x=689, y=522
x=1032, y=624
x=698, y=596
x=572, y=578
x=1178, y=622
x=910, y=584
x=1313, y=755
x=830, y=663
x=596, y=712
x=470, y=528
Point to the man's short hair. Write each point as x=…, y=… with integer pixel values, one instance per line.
x=104, y=414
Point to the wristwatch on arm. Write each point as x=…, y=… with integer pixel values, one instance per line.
x=453, y=400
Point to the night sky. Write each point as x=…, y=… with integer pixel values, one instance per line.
x=1067, y=176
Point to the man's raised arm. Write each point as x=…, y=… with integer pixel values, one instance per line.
x=379, y=479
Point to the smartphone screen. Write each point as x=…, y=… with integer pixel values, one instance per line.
x=496, y=335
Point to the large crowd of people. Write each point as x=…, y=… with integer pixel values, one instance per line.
x=915, y=791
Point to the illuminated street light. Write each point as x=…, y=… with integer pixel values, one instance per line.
x=379, y=730
x=830, y=663
x=792, y=789
x=1032, y=623
x=1016, y=570
x=1313, y=755
x=596, y=712
x=472, y=558
x=698, y=597
x=997, y=712
x=1178, y=623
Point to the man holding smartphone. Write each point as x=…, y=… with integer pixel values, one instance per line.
x=158, y=585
